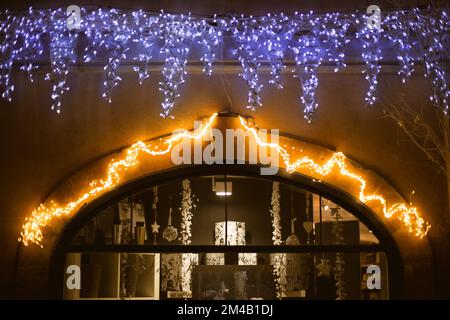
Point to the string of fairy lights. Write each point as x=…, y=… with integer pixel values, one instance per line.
x=32, y=229
x=309, y=39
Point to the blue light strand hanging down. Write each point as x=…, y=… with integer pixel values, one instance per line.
x=308, y=57
x=311, y=40
x=433, y=36
x=248, y=37
x=371, y=55
x=61, y=55
x=147, y=33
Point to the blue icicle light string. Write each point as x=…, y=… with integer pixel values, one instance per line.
x=311, y=40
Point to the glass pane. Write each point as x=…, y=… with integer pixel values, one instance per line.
x=102, y=229
x=194, y=211
x=216, y=276
x=341, y=227
x=179, y=212
x=344, y=276
x=337, y=276
x=271, y=213
x=248, y=211
x=98, y=276
x=219, y=276
x=224, y=276
x=374, y=277
x=113, y=276
x=139, y=276
x=210, y=192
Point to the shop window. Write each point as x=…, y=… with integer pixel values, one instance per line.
x=226, y=237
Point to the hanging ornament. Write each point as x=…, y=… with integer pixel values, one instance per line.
x=155, y=229
x=170, y=233
x=155, y=226
x=308, y=225
x=293, y=240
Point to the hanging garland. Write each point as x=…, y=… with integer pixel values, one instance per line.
x=279, y=259
x=339, y=271
x=188, y=260
x=155, y=226
x=416, y=36
x=187, y=208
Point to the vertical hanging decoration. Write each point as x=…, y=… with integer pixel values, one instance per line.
x=177, y=33
x=275, y=214
x=371, y=55
x=31, y=36
x=433, y=34
x=279, y=259
x=187, y=208
x=332, y=29
x=155, y=226
x=209, y=36
x=145, y=37
x=308, y=225
x=115, y=42
x=94, y=29
x=275, y=41
x=61, y=55
x=8, y=53
x=308, y=57
x=399, y=33
x=339, y=271
x=124, y=257
x=414, y=35
x=188, y=260
x=292, y=239
x=21, y=43
x=248, y=34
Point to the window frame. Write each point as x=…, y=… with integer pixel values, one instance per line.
x=386, y=243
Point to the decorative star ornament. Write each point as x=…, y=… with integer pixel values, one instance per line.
x=155, y=227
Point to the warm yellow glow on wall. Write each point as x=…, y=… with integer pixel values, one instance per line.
x=408, y=214
x=42, y=215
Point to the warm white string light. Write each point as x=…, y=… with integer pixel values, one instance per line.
x=42, y=216
x=406, y=213
x=115, y=35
